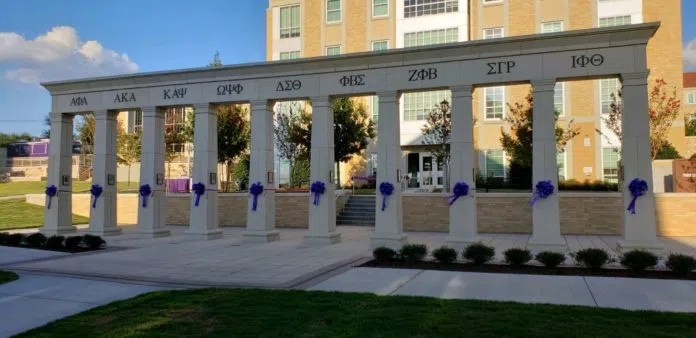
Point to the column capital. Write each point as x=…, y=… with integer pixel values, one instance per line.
x=104, y=114
x=388, y=96
x=544, y=85
x=201, y=108
x=462, y=91
x=635, y=79
x=63, y=118
x=320, y=101
x=149, y=110
x=266, y=104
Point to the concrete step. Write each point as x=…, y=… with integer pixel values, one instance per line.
x=354, y=219
x=358, y=213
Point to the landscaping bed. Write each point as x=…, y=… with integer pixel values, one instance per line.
x=7, y=276
x=71, y=244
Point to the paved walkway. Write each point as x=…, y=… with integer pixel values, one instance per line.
x=624, y=293
x=33, y=301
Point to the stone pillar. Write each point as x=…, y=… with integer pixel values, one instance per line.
x=151, y=222
x=261, y=222
x=204, y=217
x=322, y=217
x=639, y=230
x=102, y=220
x=58, y=219
x=546, y=233
x=462, y=214
x=389, y=223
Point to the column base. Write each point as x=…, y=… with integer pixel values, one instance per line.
x=330, y=238
x=61, y=230
x=111, y=231
x=260, y=236
x=653, y=246
x=556, y=245
x=204, y=234
x=154, y=233
x=387, y=240
x=460, y=243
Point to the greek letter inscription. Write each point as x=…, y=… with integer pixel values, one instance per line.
x=177, y=93
x=228, y=89
x=503, y=67
x=125, y=97
x=352, y=80
x=422, y=74
x=78, y=101
x=583, y=61
x=288, y=85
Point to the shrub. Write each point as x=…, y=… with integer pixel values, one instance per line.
x=94, y=242
x=73, y=242
x=592, y=258
x=3, y=237
x=36, y=240
x=14, y=239
x=413, y=252
x=517, y=256
x=681, y=264
x=55, y=242
x=550, y=259
x=445, y=255
x=638, y=260
x=384, y=254
x=479, y=253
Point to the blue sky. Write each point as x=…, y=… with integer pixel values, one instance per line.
x=51, y=40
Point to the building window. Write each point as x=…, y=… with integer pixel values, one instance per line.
x=561, y=161
x=136, y=124
x=380, y=45
x=495, y=163
x=333, y=50
x=333, y=10
x=493, y=33
x=373, y=164
x=559, y=98
x=416, y=8
x=610, y=164
x=290, y=21
x=607, y=87
x=492, y=1
x=380, y=8
x=691, y=98
x=433, y=37
x=494, y=101
x=375, y=109
x=615, y=21
x=418, y=105
x=552, y=27
x=290, y=55
x=427, y=163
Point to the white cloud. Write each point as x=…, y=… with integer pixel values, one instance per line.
x=689, y=54
x=59, y=55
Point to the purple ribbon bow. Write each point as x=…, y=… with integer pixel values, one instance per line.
x=460, y=189
x=638, y=188
x=386, y=189
x=255, y=190
x=145, y=191
x=318, y=188
x=543, y=190
x=199, y=190
x=96, y=191
x=51, y=191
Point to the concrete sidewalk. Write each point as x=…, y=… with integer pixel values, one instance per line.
x=623, y=293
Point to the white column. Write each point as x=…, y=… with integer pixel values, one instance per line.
x=58, y=219
x=389, y=223
x=639, y=230
x=322, y=217
x=204, y=217
x=261, y=222
x=546, y=232
x=102, y=218
x=151, y=220
x=462, y=214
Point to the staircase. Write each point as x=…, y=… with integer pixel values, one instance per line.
x=359, y=210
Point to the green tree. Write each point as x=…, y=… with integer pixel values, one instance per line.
x=46, y=133
x=86, y=126
x=667, y=152
x=241, y=172
x=437, y=133
x=216, y=61
x=285, y=121
x=233, y=134
x=690, y=125
x=6, y=139
x=518, y=142
x=129, y=150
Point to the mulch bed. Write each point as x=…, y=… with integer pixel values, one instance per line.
x=78, y=250
x=529, y=270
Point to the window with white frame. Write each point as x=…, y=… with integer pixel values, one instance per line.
x=610, y=164
x=492, y=33
x=380, y=45
x=433, y=37
x=416, y=8
x=607, y=89
x=333, y=10
x=174, y=122
x=691, y=98
x=418, y=105
x=375, y=109
x=615, y=21
x=333, y=50
x=561, y=161
x=380, y=8
x=552, y=27
x=290, y=21
x=494, y=102
x=135, y=121
x=559, y=98
x=373, y=164
x=495, y=163
x=290, y=55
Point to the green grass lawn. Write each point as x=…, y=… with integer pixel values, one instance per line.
x=362, y=191
x=7, y=276
x=17, y=214
x=23, y=188
x=277, y=313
